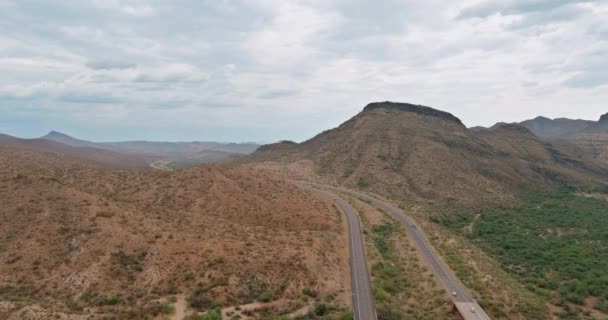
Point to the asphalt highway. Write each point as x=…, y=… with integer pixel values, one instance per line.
x=464, y=302
x=363, y=302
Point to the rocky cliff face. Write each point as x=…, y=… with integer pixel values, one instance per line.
x=408, y=107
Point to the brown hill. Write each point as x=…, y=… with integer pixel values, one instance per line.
x=78, y=242
x=92, y=156
x=415, y=152
x=555, y=128
x=590, y=137
x=593, y=139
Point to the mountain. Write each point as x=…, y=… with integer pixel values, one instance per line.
x=84, y=242
x=590, y=137
x=190, y=153
x=91, y=156
x=598, y=127
x=593, y=139
x=407, y=151
x=65, y=139
x=556, y=128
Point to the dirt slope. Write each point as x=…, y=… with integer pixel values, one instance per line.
x=80, y=242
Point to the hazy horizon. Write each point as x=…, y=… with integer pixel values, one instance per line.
x=161, y=138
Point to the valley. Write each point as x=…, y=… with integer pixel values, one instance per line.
x=400, y=212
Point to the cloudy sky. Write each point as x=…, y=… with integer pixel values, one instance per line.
x=264, y=70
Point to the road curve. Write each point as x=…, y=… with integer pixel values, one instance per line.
x=161, y=165
x=467, y=306
x=363, y=302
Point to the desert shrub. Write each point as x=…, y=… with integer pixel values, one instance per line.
x=347, y=316
x=167, y=308
x=321, y=309
x=105, y=214
x=124, y=262
x=310, y=292
x=265, y=296
x=215, y=314
x=108, y=300
x=189, y=275
x=382, y=241
x=362, y=184
x=22, y=293
x=389, y=313
x=198, y=300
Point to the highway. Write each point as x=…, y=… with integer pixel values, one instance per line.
x=161, y=165
x=363, y=302
x=467, y=306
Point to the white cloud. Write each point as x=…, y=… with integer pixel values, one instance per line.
x=270, y=69
x=132, y=8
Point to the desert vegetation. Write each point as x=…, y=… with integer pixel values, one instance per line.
x=83, y=242
x=402, y=286
x=554, y=243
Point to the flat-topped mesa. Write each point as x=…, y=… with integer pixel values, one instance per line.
x=408, y=107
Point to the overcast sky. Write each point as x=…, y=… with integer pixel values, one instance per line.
x=264, y=70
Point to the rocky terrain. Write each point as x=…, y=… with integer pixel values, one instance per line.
x=590, y=137
x=83, y=241
x=406, y=151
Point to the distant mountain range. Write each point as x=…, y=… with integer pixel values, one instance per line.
x=590, y=136
x=167, y=149
x=180, y=153
x=69, y=153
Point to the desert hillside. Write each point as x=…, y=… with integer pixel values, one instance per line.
x=181, y=154
x=82, y=242
x=41, y=148
x=588, y=137
x=407, y=151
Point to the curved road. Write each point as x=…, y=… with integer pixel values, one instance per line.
x=161, y=165
x=467, y=306
x=363, y=303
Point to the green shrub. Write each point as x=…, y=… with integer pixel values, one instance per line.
x=552, y=242
x=215, y=314
x=347, y=316
x=167, y=308
x=321, y=309
x=110, y=300
x=198, y=300
x=189, y=275
x=363, y=183
x=265, y=296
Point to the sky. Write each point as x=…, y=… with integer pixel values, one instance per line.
x=268, y=70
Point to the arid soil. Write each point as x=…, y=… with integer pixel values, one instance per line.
x=82, y=242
